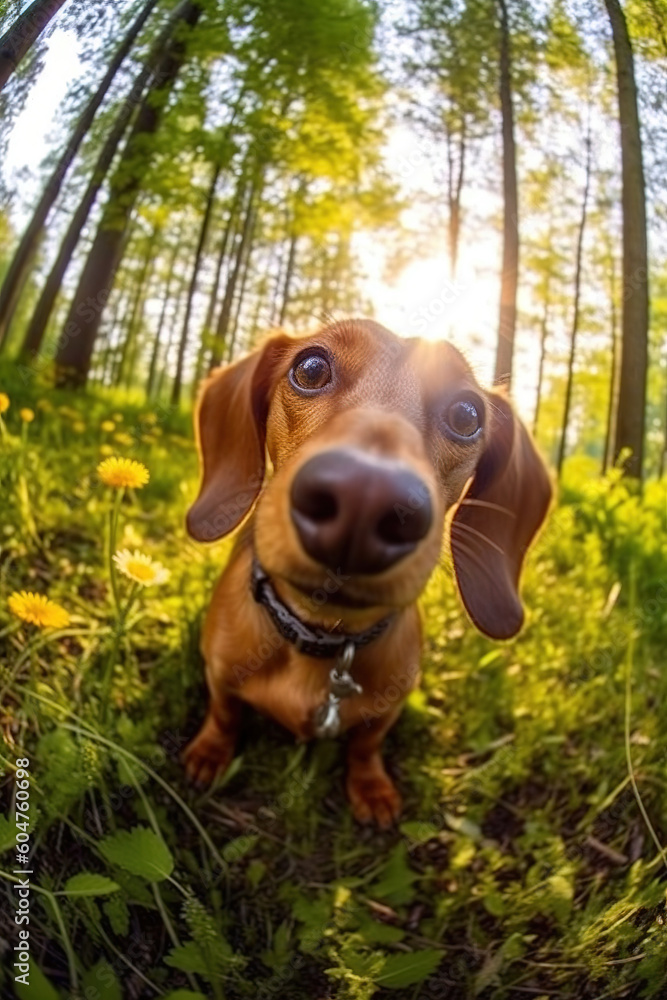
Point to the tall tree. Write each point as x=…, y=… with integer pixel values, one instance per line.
x=510, y=259
x=449, y=56
x=192, y=288
x=22, y=35
x=243, y=245
x=607, y=454
x=631, y=413
x=34, y=335
x=25, y=252
x=75, y=349
x=166, y=296
x=576, y=306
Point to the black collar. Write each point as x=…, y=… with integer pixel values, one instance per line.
x=308, y=639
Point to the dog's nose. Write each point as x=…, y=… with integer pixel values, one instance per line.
x=359, y=513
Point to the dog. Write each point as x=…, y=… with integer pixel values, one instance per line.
x=373, y=441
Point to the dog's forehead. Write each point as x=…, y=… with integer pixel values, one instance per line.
x=384, y=363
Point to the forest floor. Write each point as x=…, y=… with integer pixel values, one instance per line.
x=523, y=866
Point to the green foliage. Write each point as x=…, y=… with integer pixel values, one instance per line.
x=89, y=884
x=139, y=851
x=39, y=986
x=522, y=860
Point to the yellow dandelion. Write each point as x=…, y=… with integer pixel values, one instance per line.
x=45, y=406
x=108, y=426
x=118, y=417
x=4, y=402
x=78, y=427
x=106, y=449
x=38, y=610
x=27, y=415
x=150, y=418
x=140, y=568
x=121, y=472
x=123, y=439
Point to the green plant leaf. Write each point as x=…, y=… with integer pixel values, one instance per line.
x=39, y=986
x=184, y=995
x=374, y=932
x=418, y=831
x=89, y=884
x=464, y=826
x=238, y=848
x=117, y=914
x=188, y=957
x=7, y=834
x=101, y=983
x=395, y=884
x=139, y=851
x=408, y=969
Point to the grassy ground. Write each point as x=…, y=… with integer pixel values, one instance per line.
x=523, y=866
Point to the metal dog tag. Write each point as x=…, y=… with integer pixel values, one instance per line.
x=327, y=717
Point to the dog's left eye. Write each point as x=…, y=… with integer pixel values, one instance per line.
x=464, y=418
x=311, y=373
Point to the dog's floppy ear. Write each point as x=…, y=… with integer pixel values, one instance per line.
x=230, y=424
x=496, y=521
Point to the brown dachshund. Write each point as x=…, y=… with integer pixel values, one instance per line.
x=371, y=439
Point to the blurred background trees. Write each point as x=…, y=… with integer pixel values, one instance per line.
x=218, y=168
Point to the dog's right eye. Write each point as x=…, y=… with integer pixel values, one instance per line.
x=311, y=373
x=464, y=419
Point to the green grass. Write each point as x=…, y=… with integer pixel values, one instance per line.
x=524, y=866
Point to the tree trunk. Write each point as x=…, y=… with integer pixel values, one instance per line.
x=155, y=353
x=455, y=177
x=207, y=329
x=544, y=325
x=510, y=262
x=120, y=305
x=17, y=272
x=173, y=326
x=663, y=453
x=241, y=295
x=607, y=457
x=544, y=333
x=24, y=32
x=226, y=311
x=279, y=283
x=254, y=325
x=192, y=288
x=289, y=273
x=575, y=312
x=36, y=328
x=75, y=351
x=631, y=416
x=126, y=366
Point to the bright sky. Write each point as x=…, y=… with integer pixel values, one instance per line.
x=29, y=144
x=421, y=302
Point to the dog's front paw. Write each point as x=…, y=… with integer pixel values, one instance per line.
x=207, y=757
x=373, y=797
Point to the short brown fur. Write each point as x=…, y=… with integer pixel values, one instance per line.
x=384, y=400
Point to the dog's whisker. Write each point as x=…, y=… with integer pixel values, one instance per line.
x=478, y=534
x=470, y=554
x=487, y=503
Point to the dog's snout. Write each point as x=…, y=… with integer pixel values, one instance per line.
x=359, y=513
